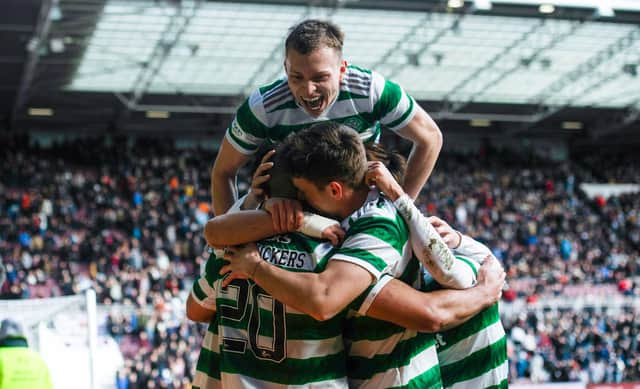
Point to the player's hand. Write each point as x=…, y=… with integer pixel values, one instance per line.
x=243, y=261
x=450, y=236
x=334, y=233
x=378, y=175
x=261, y=176
x=286, y=214
x=491, y=278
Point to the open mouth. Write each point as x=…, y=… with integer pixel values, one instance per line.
x=313, y=104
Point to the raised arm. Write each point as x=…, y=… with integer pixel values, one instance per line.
x=427, y=142
x=223, y=176
x=426, y=243
x=399, y=303
x=319, y=295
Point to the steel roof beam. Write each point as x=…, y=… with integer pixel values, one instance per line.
x=36, y=44
x=425, y=46
x=458, y=105
x=170, y=36
x=505, y=51
x=394, y=50
x=578, y=73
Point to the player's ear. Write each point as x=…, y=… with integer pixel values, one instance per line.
x=336, y=190
x=343, y=69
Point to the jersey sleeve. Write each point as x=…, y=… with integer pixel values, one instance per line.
x=204, y=288
x=372, y=293
x=374, y=243
x=248, y=129
x=429, y=247
x=392, y=105
x=469, y=263
x=473, y=249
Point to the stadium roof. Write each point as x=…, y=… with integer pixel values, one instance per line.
x=106, y=64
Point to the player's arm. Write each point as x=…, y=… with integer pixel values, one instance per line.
x=427, y=142
x=201, y=303
x=238, y=228
x=198, y=313
x=223, y=176
x=319, y=295
x=402, y=114
x=350, y=270
x=243, y=227
x=399, y=303
x=427, y=244
x=460, y=244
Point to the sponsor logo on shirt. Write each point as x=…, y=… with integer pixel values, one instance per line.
x=236, y=131
x=285, y=257
x=356, y=123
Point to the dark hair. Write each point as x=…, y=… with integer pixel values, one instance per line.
x=325, y=152
x=263, y=149
x=393, y=160
x=312, y=34
x=279, y=185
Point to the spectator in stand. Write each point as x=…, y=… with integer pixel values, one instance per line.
x=595, y=346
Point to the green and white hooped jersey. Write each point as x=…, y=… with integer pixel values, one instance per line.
x=474, y=354
x=264, y=343
x=365, y=101
x=207, y=374
x=382, y=354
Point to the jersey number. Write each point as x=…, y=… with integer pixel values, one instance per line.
x=262, y=307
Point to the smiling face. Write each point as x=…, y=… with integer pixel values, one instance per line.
x=314, y=79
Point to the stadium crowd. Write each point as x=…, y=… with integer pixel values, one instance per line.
x=549, y=235
x=125, y=218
